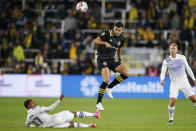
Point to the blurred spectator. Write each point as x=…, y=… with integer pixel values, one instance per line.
x=163, y=22
x=11, y=60
x=133, y=12
x=55, y=68
x=185, y=34
x=59, y=52
x=23, y=68
x=18, y=52
x=89, y=68
x=62, y=13
x=92, y=23
x=152, y=71
x=40, y=19
x=127, y=41
x=75, y=68
x=149, y=34
x=54, y=37
x=88, y=43
x=175, y=21
x=46, y=51
x=17, y=14
x=70, y=20
x=28, y=40
x=73, y=51
x=189, y=21
x=39, y=59
x=163, y=43
x=143, y=21
x=152, y=12
x=172, y=7
x=174, y=37
x=71, y=32
x=185, y=11
x=30, y=69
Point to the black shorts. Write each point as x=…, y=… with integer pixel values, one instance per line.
x=110, y=63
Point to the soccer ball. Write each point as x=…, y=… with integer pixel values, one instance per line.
x=82, y=6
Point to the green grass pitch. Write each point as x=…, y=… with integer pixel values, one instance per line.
x=119, y=114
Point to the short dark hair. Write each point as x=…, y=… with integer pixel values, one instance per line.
x=26, y=103
x=119, y=24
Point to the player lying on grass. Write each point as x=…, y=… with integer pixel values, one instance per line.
x=37, y=116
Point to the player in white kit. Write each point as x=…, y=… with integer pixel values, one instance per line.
x=176, y=65
x=37, y=116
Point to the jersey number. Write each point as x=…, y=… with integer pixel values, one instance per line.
x=37, y=121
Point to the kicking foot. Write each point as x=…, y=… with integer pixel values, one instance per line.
x=92, y=125
x=170, y=122
x=97, y=114
x=109, y=92
x=99, y=107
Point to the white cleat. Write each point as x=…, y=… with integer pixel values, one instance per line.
x=99, y=107
x=109, y=92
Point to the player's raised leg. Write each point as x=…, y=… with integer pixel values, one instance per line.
x=106, y=78
x=120, y=78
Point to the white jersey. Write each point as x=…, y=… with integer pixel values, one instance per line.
x=176, y=68
x=38, y=117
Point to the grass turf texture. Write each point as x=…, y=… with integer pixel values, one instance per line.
x=119, y=114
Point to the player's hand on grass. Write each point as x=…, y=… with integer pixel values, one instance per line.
x=107, y=45
x=162, y=82
x=61, y=97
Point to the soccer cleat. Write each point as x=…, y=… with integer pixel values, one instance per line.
x=109, y=92
x=92, y=125
x=97, y=114
x=170, y=122
x=99, y=107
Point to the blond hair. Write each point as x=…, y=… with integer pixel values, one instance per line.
x=173, y=44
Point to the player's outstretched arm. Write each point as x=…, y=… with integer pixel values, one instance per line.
x=51, y=107
x=188, y=69
x=163, y=71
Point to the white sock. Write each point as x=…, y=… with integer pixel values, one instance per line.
x=80, y=125
x=85, y=114
x=195, y=105
x=171, y=112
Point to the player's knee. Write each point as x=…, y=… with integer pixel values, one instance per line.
x=71, y=124
x=107, y=81
x=172, y=103
x=75, y=114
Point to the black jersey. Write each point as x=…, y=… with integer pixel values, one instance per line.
x=117, y=42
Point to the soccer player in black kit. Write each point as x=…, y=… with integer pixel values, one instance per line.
x=109, y=42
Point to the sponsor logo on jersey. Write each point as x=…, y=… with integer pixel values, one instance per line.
x=105, y=63
x=119, y=43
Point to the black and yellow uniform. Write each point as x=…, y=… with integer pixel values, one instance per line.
x=106, y=56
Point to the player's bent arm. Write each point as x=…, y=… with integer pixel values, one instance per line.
x=188, y=69
x=99, y=41
x=51, y=107
x=163, y=70
x=119, y=53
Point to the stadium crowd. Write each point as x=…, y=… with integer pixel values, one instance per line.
x=32, y=31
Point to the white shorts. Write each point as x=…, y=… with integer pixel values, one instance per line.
x=183, y=86
x=63, y=117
